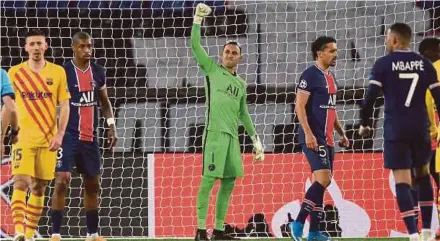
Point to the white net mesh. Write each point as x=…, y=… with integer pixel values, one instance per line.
x=156, y=88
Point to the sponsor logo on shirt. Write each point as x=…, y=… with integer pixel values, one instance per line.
x=232, y=91
x=331, y=103
x=87, y=99
x=36, y=95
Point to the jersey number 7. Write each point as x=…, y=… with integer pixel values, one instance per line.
x=415, y=78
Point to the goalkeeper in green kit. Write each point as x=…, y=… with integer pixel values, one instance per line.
x=225, y=107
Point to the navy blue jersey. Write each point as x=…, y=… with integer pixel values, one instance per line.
x=84, y=87
x=404, y=78
x=321, y=105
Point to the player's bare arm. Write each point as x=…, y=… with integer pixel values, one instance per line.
x=300, y=108
x=64, y=118
x=107, y=111
x=367, y=110
x=9, y=116
x=343, y=141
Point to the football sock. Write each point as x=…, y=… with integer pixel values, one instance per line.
x=314, y=195
x=406, y=206
x=18, y=206
x=203, y=200
x=34, y=209
x=222, y=203
x=426, y=200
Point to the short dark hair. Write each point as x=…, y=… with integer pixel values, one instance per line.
x=80, y=35
x=429, y=44
x=35, y=32
x=233, y=42
x=403, y=30
x=320, y=43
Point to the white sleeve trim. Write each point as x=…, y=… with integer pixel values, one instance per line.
x=375, y=82
x=103, y=87
x=304, y=91
x=435, y=85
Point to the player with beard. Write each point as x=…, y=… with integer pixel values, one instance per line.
x=316, y=110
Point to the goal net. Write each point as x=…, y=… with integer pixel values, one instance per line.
x=150, y=181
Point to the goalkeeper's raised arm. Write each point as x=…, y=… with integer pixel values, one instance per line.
x=202, y=57
x=225, y=107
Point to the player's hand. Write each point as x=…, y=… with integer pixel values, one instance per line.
x=258, y=148
x=364, y=131
x=202, y=10
x=111, y=137
x=344, y=142
x=13, y=135
x=311, y=142
x=56, y=142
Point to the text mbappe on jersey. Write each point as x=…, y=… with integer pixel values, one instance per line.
x=407, y=65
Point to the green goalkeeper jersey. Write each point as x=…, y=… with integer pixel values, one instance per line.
x=225, y=93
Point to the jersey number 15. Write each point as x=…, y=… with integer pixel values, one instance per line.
x=415, y=78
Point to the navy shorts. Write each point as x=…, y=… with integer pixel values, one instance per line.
x=406, y=154
x=321, y=159
x=86, y=156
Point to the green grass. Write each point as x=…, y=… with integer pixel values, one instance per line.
x=266, y=239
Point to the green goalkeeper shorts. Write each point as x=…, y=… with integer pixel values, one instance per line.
x=221, y=155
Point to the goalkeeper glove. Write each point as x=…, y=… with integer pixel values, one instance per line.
x=258, y=148
x=364, y=131
x=202, y=10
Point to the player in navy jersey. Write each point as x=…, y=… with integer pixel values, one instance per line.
x=87, y=85
x=404, y=78
x=316, y=110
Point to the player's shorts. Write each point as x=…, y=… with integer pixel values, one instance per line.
x=86, y=156
x=321, y=159
x=221, y=155
x=406, y=154
x=37, y=162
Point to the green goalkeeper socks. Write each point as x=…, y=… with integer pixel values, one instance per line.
x=221, y=209
x=203, y=200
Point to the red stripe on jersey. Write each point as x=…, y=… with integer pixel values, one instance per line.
x=37, y=75
x=86, y=113
x=31, y=113
x=85, y=125
x=85, y=79
x=35, y=88
x=331, y=113
x=35, y=104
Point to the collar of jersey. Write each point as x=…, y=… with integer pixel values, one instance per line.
x=79, y=68
x=234, y=74
x=327, y=73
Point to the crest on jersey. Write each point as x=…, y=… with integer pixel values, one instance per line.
x=49, y=81
x=303, y=84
